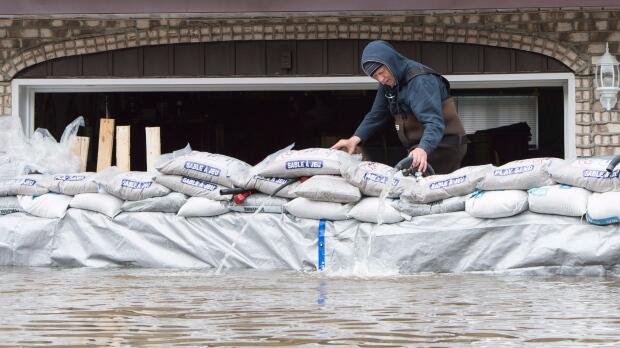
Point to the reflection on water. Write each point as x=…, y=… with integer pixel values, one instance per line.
x=155, y=307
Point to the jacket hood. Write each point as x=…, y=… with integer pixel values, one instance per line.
x=382, y=52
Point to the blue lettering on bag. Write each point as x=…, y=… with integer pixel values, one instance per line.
x=513, y=170
x=273, y=180
x=382, y=179
x=198, y=183
x=600, y=174
x=29, y=182
x=303, y=164
x=203, y=168
x=447, y=183
x=136, y=185
x=69, y=177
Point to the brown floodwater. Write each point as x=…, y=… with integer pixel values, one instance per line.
x=119, y=307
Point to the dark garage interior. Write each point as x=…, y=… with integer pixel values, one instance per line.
x=251, y=124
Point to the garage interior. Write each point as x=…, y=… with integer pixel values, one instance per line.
x=252, y=124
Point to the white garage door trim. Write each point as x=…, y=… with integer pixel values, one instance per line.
x=23, y=90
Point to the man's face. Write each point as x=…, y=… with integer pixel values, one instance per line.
x=384, y=76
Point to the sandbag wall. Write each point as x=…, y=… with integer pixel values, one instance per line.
x=327, y=184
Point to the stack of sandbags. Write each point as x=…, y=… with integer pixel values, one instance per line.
x=202, y=175
x=29, y=194
x=324, y=196
x=592, y=174
x=503, y=188
x=443, y=193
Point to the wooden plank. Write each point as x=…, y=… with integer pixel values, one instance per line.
x=80, y=149
x=153, y=147
x=123, y=159
x=106, y=139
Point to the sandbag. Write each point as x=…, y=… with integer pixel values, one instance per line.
x=520, y=175
x=328, y=188
x=447, y=205
x=73, y=184
x=9, y=205
x=193, y=187
x=201, y=206
x=132, y=186
x=102, y=202
x=437, y=187
x=260, y=200
x=496, y=204
x=603, y=208
x=588, y=173
x=48, y=205
x=370, y=178
x=306, y=162
x=559, y=200
x=26, y=185
x=372, y=209
x=211, y=167
x=270, y=185
x=170, y=203
x=309, y=209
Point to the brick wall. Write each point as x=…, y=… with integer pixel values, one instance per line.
x=570, y=35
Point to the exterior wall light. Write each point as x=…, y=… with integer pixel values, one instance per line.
x=607, y=79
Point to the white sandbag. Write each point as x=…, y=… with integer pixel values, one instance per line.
x=260, y=200
x=559, y=200
x=102, y=202
x=372, y=209
x=309, y=209
x=328, y=188
x=447, y=205
x=49, y=205
x=371, y=178
x=200, y=206
x=170, y=203
x=588, y=173
x=9, y=205
x=73, y=184
x=132, y=186
x=306, y=162
x=26, y=185
x=212, y=167
x=437, y=187
x=520, y=175
x=270, y=185
x=193, y=187
x=603, y=208
x=496, y=204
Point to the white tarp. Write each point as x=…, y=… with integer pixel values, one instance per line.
x=528, y=243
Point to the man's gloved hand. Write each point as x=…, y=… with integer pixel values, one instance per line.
x=419, y=157
x=347, y=144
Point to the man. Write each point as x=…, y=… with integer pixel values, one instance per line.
x=418, y=99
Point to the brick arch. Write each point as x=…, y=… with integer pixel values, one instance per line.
x=245, y=32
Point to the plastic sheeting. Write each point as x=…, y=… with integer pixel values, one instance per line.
x=454, y=242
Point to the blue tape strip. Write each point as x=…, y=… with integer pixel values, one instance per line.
x=321, y=244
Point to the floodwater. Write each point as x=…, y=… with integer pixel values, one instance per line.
x=162, y=307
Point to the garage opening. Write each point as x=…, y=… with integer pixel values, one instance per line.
x=503, y=124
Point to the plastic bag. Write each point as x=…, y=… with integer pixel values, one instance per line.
x=40, y=153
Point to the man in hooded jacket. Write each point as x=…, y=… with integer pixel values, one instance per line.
x=418, y=100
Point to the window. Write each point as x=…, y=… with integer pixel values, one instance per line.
x=484, y=112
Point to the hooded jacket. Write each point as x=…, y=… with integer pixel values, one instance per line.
x=421, y=96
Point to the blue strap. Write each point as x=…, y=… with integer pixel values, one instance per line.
x=321, y=244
